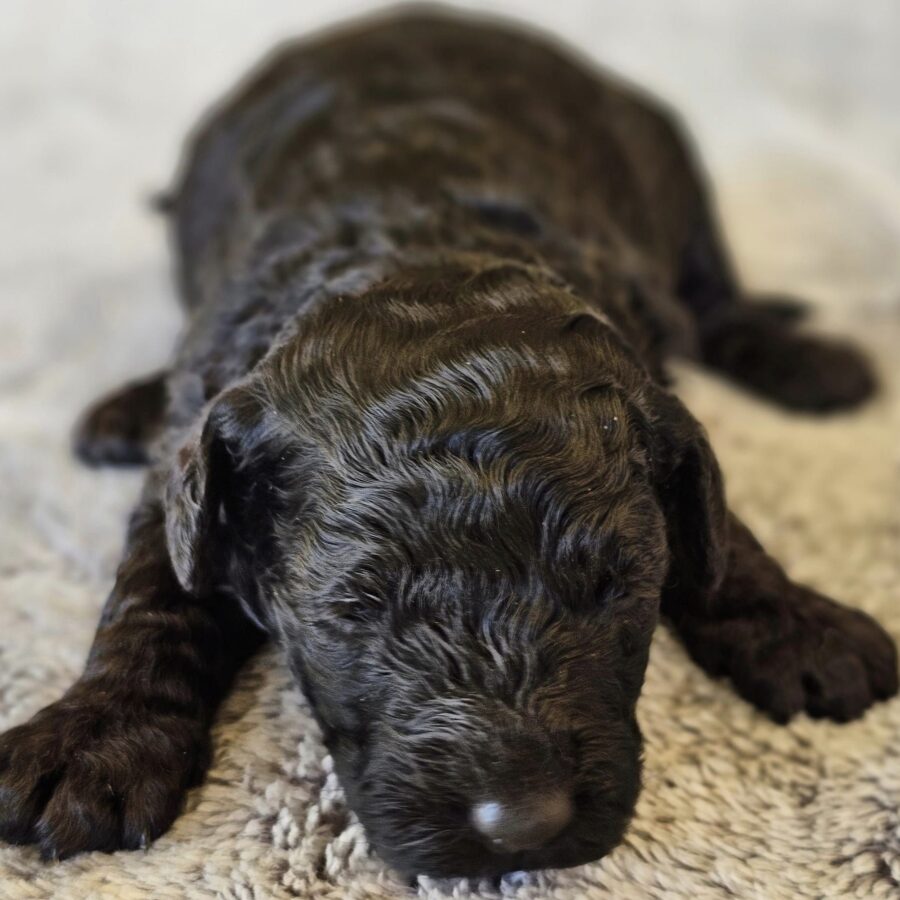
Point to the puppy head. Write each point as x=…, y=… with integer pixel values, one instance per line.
x=465, y=563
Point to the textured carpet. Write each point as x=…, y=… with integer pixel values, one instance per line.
x=796, y=111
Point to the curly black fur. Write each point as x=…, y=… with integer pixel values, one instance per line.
x=418, y=432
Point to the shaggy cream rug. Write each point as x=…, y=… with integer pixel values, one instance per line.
x=796, y=111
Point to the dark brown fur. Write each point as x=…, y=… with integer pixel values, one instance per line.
x=418, y=432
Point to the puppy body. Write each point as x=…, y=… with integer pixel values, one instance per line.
x=417, y=431
x=421, y=143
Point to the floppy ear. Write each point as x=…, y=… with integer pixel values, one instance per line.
x=689, y=486
x=211, y=490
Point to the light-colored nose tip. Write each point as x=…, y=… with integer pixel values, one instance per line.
x=525, y=823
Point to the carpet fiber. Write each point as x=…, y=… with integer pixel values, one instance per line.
x=796, y=113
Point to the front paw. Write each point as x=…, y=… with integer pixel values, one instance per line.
x=91, y=772
x=802, y=652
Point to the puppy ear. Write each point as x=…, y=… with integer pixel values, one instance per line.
x=690, y=489
x=205, y=489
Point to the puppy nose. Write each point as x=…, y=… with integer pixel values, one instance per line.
x=526, y=823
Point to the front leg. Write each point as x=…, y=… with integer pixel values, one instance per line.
x=786, y=648
x=106, y=767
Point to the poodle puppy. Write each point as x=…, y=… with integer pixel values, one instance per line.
x=418, y=431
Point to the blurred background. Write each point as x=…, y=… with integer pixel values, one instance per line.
x=796, y=110
x=794, y=105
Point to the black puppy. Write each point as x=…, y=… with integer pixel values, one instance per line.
x=417, y=431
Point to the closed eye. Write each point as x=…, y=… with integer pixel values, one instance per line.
x=505, y=215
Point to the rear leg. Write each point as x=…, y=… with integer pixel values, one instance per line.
x=800, y=371
x=119, y=428
x=754, y=340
